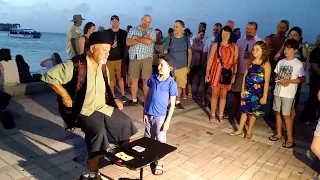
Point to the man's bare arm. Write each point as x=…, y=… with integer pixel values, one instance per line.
x=144, y=40
x=131, y=42
x=73, y=45
x=59, y=89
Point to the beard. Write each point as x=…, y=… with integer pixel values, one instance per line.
x=103, y=61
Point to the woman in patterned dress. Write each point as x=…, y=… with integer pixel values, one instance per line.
x=255, y=86
x=229, y=53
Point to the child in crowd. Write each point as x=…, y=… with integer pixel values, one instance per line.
x=255, y=85
x=289, y=73
x=156, y=116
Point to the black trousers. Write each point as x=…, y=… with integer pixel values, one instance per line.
x=100, y=130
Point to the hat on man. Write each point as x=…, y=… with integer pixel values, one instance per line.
x=115, y=17
x=77, y=17
x=103, y=37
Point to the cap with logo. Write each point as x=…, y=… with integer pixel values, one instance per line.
x=115, y=17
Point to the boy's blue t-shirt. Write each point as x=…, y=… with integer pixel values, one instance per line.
x=159, y=95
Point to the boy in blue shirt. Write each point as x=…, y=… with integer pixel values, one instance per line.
x=156, y=115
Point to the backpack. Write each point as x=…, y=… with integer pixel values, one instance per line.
x=80, y=72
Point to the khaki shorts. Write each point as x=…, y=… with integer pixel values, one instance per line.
x=181, y=77
x=143, y=66
x=114, y=69
x=237, y=85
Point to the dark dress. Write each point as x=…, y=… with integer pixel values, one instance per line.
x=24, y=72
x=254, y=85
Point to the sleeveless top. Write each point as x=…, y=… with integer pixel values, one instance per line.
x=86, y=44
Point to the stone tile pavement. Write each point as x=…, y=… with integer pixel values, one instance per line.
x=39, y=148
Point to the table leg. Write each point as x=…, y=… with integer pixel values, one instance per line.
x=141, y=173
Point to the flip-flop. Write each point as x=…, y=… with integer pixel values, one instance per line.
x=274, y=138
x=288, y=147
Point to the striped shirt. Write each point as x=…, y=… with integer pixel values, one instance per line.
x=140, y=50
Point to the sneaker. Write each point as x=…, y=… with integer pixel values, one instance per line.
x=123, y=99
x=131, y=103
x=179, y=106
x=97, y=177
x=184, y=97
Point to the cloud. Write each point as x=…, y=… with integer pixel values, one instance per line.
x=147, y=9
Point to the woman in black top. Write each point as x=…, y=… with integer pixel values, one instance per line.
x=23, y=69
x=88, y=29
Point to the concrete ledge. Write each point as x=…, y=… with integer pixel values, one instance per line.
x=26, y=89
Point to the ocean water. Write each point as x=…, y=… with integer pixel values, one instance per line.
x=35, y=51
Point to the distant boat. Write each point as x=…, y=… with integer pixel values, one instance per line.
x=24, y=33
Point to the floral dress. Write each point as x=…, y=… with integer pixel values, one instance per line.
x=254, y=85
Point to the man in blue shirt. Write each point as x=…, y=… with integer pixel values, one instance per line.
x=178, y=46
x=234, y=37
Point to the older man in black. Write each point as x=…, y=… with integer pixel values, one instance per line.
x=82, y=86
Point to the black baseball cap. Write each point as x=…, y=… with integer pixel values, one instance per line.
x=169, y=59
x=115, y=17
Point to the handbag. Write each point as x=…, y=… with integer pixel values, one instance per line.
x=226, y=74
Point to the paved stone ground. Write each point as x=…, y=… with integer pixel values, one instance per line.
x=39, y=148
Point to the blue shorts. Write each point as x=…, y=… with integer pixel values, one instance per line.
x=153, y=128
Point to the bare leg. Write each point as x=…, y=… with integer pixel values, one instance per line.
x=134, y=88
x=222, y=103
x=243, y=120
x=214, y=101
x=278, y=125
x=121, y=86
x=292, y=114
x=179, y=94
x=252, y=121
x=145, y=87
x=288, y=121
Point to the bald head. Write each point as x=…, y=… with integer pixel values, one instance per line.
x=145, y=21
x=230, y=23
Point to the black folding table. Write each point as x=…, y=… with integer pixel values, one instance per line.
x=154, y=150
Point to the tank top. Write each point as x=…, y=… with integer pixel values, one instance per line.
x=86, y=44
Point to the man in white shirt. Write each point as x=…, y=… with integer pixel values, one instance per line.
x=207, y=47
x=73, y=36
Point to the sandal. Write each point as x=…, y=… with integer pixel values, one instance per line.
x=156, y=169
x=247, y=137
x=221, y=119
x=274, y=138
x=213, y=119
x=284, y=145
x=235, y=134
